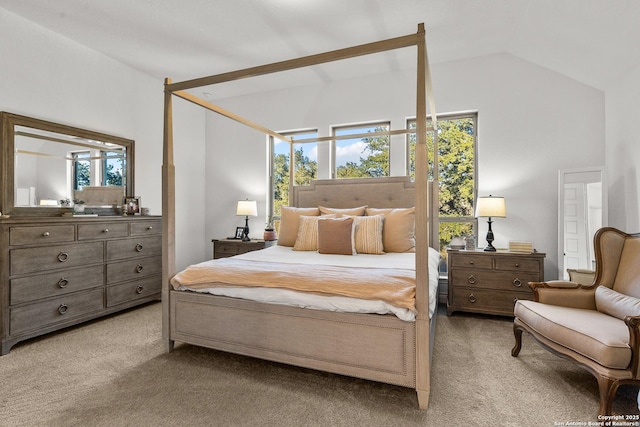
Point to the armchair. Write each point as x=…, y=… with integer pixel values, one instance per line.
x=596, y=325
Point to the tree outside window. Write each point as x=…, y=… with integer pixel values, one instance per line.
x=361, y=157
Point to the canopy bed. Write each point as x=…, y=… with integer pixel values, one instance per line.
x=379, y=347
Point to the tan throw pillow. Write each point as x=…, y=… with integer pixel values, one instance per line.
x=616, y=304
x=307, y=239
x=335, y=236
x=368, y=234
x=289, y=223
x=359, y=211
x=398, y=234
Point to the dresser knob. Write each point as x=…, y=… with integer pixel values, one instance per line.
x=515, y=300
x=63, y=256
x=517, y=282
x=517, y=265
x=472, y=298
x=63, y=309
x=150, y=227
x=471, y=279
x=106, y=230
x=62, y=283
x=138, y=268
x=45, y=234
x=138, y=247
x=471, y=262
x=139, y=289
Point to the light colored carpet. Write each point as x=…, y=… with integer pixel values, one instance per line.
x=115, y=372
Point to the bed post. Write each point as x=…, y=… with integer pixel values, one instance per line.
x=422, y=218
x=168, y=215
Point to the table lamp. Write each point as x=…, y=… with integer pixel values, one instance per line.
x=490, y=206
x=246, y=208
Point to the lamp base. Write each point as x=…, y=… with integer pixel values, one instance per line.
x=245, y=233
x=489, y=248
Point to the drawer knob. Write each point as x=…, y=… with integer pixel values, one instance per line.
x=472, y=298
x=106, y=230
x=517, y=282
x=517, y=265
x=62, y=283
x=63, y=309
x=46, y=234
x=139, y=268
x=471, y=279
x=150, y=227
x=515, y=300
x=471, y=262
x=139, y=289
x=63, y=256
x=138, y=247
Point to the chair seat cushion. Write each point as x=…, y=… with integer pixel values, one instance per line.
x=598, y=336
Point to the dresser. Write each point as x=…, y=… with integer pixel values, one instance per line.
x=58, y=272
x=491, y=282
x=223, y=248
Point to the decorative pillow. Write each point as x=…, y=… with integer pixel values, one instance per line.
x=368, y=234
x=289, y=223
x=307, y=239
x=359, y=211
x=335, y=236
x=398, y=234
x=616, y=304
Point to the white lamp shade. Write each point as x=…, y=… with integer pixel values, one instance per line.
x=491, y=206
x=247, y=208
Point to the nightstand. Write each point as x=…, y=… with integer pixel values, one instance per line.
x=491, y=282
x=223, y=248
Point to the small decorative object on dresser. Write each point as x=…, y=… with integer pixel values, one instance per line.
x=223, y=248
x=491, y=282
x=133, y=205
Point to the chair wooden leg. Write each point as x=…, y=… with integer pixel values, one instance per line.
x=517, y=332
x=608, y=388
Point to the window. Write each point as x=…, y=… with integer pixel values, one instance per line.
x=457, y=136
x=305, y=167
x=112, y=168
x=361, y=156
x=81, y=169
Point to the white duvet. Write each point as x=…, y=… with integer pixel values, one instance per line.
x=284, y=254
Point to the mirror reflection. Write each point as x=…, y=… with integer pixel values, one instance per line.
x=583, y=210
x=53, y=169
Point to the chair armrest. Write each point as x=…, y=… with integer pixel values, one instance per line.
x=633, y=323
x=564, y=293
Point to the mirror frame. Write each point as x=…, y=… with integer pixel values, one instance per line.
x=8, y=122
x=563, y=174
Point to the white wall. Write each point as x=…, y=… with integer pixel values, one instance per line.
x=623, y=151
x=532, y=122
x=50, y=77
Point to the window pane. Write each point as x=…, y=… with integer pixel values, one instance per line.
x=81, y=170
x=362, y=156
x=113, y=168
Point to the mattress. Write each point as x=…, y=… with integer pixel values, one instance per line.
x=345, y=304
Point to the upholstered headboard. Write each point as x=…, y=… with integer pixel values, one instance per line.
x=388, y=192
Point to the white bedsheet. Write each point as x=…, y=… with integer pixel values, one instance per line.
x=284, y=254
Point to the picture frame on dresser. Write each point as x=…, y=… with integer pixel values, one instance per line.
x=239, y=233
x=133, y=205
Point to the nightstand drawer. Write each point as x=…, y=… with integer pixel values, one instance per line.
x=487, y=301
x=472, y=261
x=227, y=248
x=499, y=280
x=518, y=264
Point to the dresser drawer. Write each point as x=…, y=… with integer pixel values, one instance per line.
x=56, y=310
x=41, y=234
x=27, y=289
x=146, y=228
x=499, y=280
x=106, y=230
x=131, y=291
x=32, y=260
x=518, y=264
x=486, y=301
x=471, y=261
x=131, y=248
x=134, y=269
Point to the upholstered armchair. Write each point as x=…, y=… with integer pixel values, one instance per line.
x=596, y=325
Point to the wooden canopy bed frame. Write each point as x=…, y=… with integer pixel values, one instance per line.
x=300, y=336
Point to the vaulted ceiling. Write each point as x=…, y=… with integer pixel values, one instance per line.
x=592, y=41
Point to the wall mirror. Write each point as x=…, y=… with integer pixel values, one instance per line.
x=582, y=210
x=46, y=166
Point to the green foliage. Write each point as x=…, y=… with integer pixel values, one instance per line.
x=304, y=171
x=375, y=164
